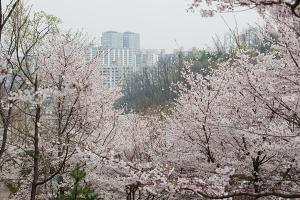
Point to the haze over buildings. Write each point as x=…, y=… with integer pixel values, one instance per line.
x=163, y=24
x=121, y=56
x=131, y=40
x=112, y=39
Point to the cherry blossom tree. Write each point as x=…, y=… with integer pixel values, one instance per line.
x=280, y=7
x=231, y=133
x=234, y=133
x=53, y=104
x=6, y=11
x=78, y=109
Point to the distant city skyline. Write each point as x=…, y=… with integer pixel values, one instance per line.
x=162, y=24
x=114, y=39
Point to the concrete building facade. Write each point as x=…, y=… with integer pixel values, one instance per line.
x=112, y=39
x=120, y=56
x=116, y=64
x=131, y=40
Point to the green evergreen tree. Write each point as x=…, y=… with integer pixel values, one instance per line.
x=79, y=191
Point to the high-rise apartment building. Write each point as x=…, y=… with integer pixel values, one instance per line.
x=91, y=52
x=117, y=64
x=131, y=40
x=150, y=57
x=120, y=56
x=112, y=39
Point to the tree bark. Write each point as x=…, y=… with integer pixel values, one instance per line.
x=34, y=184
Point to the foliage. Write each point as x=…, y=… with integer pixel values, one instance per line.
x=233, y=131
x=79, y=192
x=154, y=87
x=52, y=103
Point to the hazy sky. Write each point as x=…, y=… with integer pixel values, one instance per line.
x=159, y=22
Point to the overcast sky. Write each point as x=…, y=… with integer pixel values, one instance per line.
x=159, y=22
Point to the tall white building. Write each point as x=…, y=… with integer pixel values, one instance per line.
x=120, y=56
x=131, y=40
x=112, y=39
x=91, y=51
x=116, y=64
x=150, y=57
